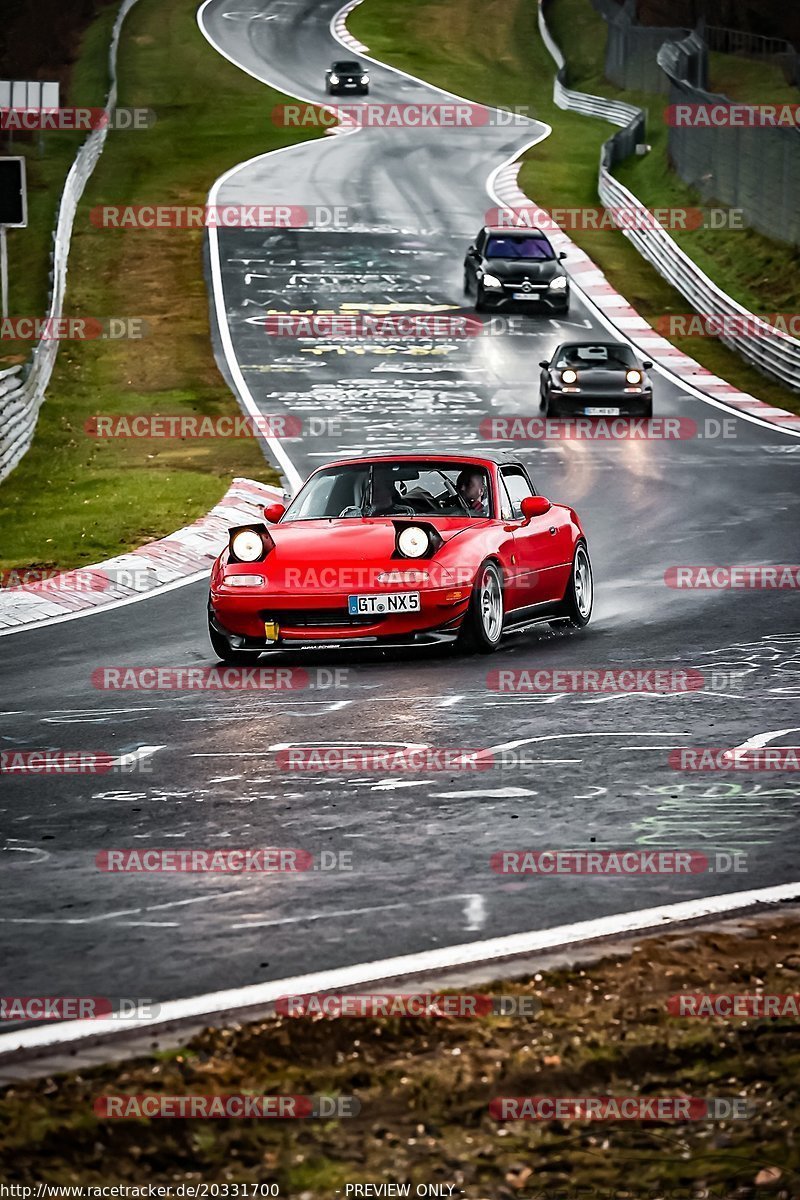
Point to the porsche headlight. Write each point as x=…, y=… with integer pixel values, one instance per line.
x=491, y=281
x=247, y=546
x=633, y=376
x=569, y=376
x=558, y=284
x=365, y=78
x=413, y=542
x=334, y=78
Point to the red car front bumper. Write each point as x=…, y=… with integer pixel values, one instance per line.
x=306, y=618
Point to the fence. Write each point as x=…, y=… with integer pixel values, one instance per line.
x=756, y=169
x=22, y=390
x=776, y=355
x=631, y=49
x=755, y=45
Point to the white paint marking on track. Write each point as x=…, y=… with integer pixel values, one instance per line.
x=72, y=1033
x=125, y=912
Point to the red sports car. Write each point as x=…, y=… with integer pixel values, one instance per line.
x=400, y=550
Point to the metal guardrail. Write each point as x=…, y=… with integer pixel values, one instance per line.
x=21, y=400
x=771, y=352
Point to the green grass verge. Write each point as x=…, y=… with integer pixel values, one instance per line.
x=750, y=80
x=490, y=51
x=74, y=499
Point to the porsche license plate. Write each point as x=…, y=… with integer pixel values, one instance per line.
x=601, y=412
x=386, y=602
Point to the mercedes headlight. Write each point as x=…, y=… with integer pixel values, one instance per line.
x=559, y=283
x=633, y=376
x=569, y=376
x=491, y=281
x=413, y=542
x=247, y=545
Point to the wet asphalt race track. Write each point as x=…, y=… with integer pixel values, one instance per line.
x=596, y=770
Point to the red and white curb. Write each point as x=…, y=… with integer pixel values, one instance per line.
x=593, y=284
x=340, y=30
x=157, y=566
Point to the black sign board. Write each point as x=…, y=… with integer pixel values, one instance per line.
x=13, y=198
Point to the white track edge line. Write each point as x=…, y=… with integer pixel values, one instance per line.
x=98, y=609
x=71, y=1033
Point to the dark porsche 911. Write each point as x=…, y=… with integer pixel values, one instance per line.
x=515, y=268
x=595, y=379
x=347, y=77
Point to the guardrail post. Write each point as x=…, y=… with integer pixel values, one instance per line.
x=3, y=272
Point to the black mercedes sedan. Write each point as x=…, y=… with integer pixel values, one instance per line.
x=511, y=268
x=347, y=78
x=595, y=379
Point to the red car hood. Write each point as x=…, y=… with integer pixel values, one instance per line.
x=349, y=540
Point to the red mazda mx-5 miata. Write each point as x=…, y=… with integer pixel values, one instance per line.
x=399, y=550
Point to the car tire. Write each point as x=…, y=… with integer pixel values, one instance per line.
x=482, y=628
x=466, y=283
x=549, y=409
x=648, y=411
x=480, y=302
x=578, y=600
x=223, y=649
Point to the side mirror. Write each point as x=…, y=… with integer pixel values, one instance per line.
x=534, y=506
x=472, y=251
x=562, y=254
x=274, y=512
x=647, y=365
x=544, y=363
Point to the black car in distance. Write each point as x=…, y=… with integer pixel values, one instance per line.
x=347, y=78
x=595, y=379
x=508, y=268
